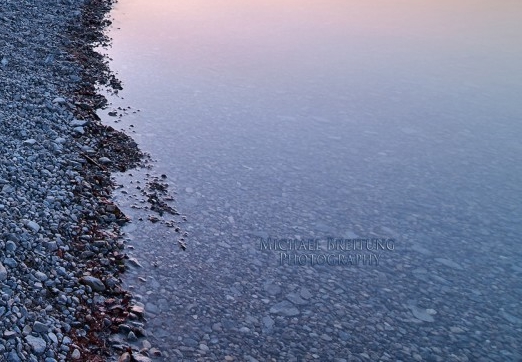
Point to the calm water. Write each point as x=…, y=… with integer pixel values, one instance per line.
x=307, y=119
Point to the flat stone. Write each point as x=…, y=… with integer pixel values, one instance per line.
x=456, y=329
x=305, y=293
x=272, y=289
x=9, y=334
x=296, y=299
x=37, y=344
x=95, y=283
x=449, y=263
x=136, y=309
x=268, y=322
x=39, y=327
x=284, y=308
x=29, y=142
x=10, y=262
x=78, y=123
x=421, y=314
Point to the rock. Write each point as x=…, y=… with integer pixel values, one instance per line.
x=511, y=318
x=78, y=130
x=268, y=322
x=449, y=263
x=139, y=311
x=284, y=308
x=13, y=357
x=95, y=283
x=131, y=337
x=454, y=329
x=272, y=289
x=296, y=299
x=32, y=225
x=10, y=246
x=76, y=354
x=134, y=262
x=41, y=276
x=37, y=344
x=190, y=342
x=59, y=100
x=155, y=352
x=78, y=123
x=29, y=142
x=10, y=262
x=104, y=160
x=141, y=358
x=125, y=357
x=305, y=293
x=39, y=327
x=146, y=344
x=9, y=334
x=3, y=272
x=59, y=140
x=421, y=314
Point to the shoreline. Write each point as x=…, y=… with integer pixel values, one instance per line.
x=61, y=255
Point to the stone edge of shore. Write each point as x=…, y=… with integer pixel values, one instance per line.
x=117, y=152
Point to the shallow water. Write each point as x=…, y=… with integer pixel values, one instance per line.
x=311, y=119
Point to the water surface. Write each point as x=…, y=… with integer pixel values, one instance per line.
x=315, y=119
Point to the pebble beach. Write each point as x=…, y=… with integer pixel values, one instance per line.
x=60, y=256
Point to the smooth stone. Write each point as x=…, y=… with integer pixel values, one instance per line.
x=78, y=123
x=141, y=358
x=60, y=140
x=39, y=327
x=449, y=263
x=3, y=272
x=95, y=283
x=421, y=314
x=37, y=344
x=33, y=226
x=284, y=308
x=10, y=246
x=29, y=142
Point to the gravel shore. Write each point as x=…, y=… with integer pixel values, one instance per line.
x=60, y=254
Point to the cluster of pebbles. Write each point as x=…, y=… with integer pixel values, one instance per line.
x=60, y=251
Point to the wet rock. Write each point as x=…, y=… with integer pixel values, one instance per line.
x=95, y=283
x=76, y=354
x=284, y=308
x=125, y=357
